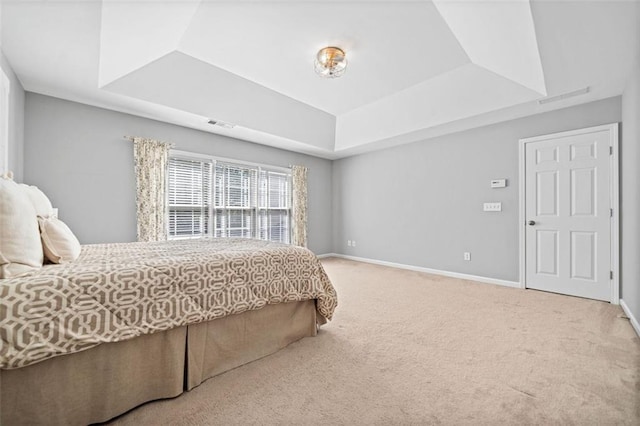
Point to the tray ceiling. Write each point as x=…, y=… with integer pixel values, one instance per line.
x=416, y=69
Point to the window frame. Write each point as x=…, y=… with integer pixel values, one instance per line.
x=168, y=199
x=255, y=210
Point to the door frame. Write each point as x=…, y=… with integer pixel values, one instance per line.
x=5, y=94
x=613, y=198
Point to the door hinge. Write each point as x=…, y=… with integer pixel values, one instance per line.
x=610, y=212
x=610, y=275
x=610, y=150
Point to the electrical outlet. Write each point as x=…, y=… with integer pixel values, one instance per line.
x=353, y=243
x=349, y=243
x=492, y=207
x=467, y=255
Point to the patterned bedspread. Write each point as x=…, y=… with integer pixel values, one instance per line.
x=115, y=292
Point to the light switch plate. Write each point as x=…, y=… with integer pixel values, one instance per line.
x=492, y=207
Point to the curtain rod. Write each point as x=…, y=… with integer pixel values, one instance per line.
x=290, y=166
x=131, y=138
x=188, y=155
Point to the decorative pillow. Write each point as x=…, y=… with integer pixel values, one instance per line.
x=40, y=201
x=20, y=245
x=58, y=242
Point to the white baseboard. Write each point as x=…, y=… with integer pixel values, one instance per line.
x=325, y=255
x=632, y=319
x=487, y=280
x=515, y=284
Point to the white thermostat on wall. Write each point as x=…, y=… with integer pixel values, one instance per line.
x=498, y=183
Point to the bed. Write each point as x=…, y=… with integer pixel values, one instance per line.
x=129, y=323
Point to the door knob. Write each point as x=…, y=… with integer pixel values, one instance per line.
x=532, y=222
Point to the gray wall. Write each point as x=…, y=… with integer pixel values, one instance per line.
x=77, y=155
x=16, y=120
x=417, y=204
x=421, y=204
x=630, y=191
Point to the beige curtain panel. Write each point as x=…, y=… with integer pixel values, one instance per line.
x=151, y=158
x=299, y=186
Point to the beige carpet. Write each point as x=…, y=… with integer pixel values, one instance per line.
x=412, y=348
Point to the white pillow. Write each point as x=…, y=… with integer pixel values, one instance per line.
x=20, y=245
x=58, y=242
x=40, y=201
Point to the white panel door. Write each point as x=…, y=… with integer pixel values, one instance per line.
x=568, y=213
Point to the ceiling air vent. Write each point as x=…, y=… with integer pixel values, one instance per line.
x=221, y=124
x=578, y=92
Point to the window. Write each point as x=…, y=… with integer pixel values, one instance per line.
x=220, y=198
x=189, y=197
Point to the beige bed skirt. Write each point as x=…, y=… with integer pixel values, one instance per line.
x=226, y=343
x=108, y=380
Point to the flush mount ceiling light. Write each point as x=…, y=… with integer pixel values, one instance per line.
x=331, y=62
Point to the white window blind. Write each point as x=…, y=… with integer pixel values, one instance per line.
x=189, y=197
x=274, y=206
x=226, y=199
x=235, y=195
